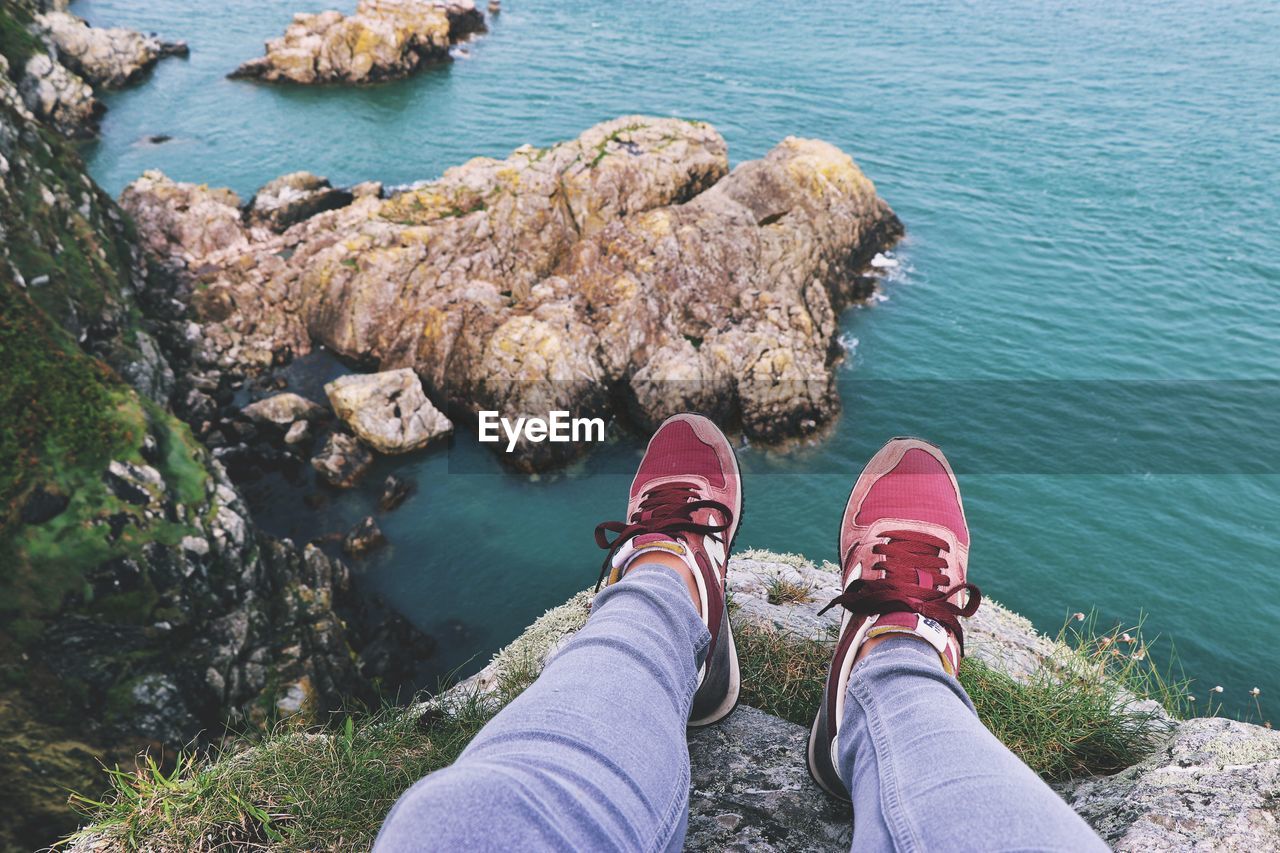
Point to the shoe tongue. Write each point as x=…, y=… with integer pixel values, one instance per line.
x=921, y=626
x=649, y=538
x=648, y=543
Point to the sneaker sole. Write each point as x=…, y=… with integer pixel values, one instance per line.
x=821, y=769
x=725, y=708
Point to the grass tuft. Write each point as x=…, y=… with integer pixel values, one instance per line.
x=783, y=591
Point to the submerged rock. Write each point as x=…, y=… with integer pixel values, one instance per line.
x=343, y=461
x=299, y=433
x=363, y=538
x=626, y=259
x=292, y=198
x=395, y=490
x=109, y=57
x=387, y=410
x=383, y=39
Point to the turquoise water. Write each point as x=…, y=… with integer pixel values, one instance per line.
x=1089, y=193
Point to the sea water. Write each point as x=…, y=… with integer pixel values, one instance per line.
x=1090, y=196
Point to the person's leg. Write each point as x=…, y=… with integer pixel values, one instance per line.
x=895, y=731
x=593, y=755
x=925, y=774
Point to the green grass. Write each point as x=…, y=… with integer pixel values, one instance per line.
x=17, y=44
x=297, y=787
x=1082, y=714
x=329, y=787
x=58, y=407
x=783, y=591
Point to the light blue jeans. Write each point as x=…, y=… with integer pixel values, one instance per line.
x=593, y=755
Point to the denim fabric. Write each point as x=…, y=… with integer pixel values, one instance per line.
x=593, y=755
x=925, y=774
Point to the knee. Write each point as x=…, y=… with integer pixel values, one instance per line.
x=457, y=808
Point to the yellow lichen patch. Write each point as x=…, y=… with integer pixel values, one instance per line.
x=657, y=223
x=434, y=322
x=509, y=176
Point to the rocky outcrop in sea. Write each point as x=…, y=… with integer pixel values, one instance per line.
x=381, y=40
x=627, y=272
x=58, y=81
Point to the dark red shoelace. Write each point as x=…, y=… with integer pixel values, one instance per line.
x=906, y=555
x=667, y=509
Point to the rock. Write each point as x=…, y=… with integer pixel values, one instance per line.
x=111, y=57
x=383, y=39
x=292, y=198
x=750, y=789
x=387, y=410
x=395, y=490
x=1215, y=786
x=343, y=461
x=299, y=433
x=367, y=189
x=57, y=95
x=995, y=635
x=42, y=505
x=283, y=410
x=364, y=537
x=626, y=260
x=495, y=7
x=134, y=484
x=184, y=223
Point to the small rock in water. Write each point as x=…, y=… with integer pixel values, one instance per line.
x=394, y=492
x=282, y=409
x=388, y=410
x=343, y=462
x=495, y=7
x=299, y=433
x=364, y=537
x=159, y=138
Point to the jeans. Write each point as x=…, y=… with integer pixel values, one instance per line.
x=593, y=756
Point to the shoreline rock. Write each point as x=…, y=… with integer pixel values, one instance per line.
x=111, y=57
x=381, y=40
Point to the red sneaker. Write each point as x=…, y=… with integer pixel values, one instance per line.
x=904, y=548
x=686, y=500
